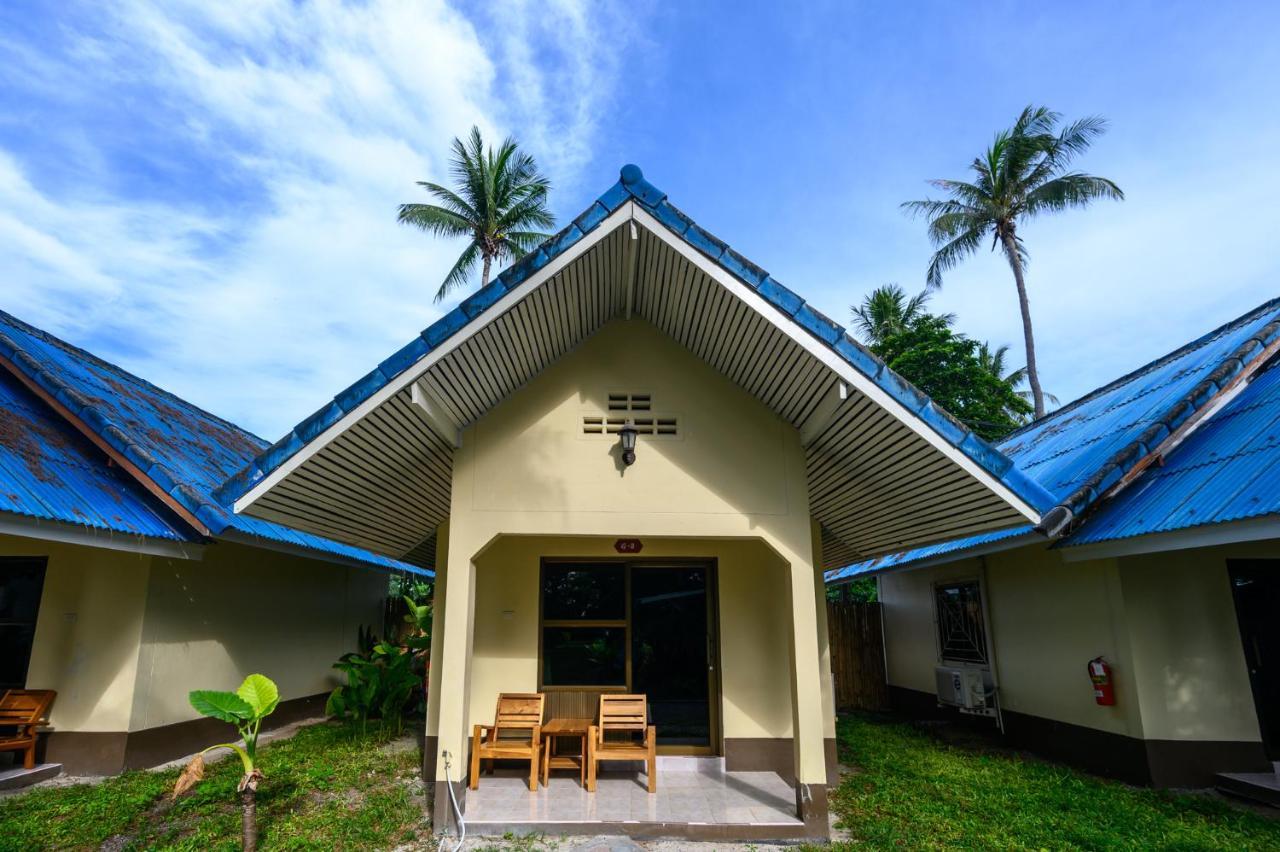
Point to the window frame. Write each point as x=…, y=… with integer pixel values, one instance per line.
x=624, y=622
x=982, y=622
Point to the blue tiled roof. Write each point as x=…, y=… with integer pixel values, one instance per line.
x=633, y=187
x=1085, y=447
x=187, y=452
x=50, y=472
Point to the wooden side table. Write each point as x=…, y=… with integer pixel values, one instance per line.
x=565, y=729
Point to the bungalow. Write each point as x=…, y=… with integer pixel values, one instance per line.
x=1160, y=559
x=123, y=585
x=632, y=455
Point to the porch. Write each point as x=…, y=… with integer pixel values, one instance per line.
x=696, y=799
x=693, y=624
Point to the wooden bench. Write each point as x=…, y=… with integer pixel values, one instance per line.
x=625, y=715
x=25, y=710
x=515, y=712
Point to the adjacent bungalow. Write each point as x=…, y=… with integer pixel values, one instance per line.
x=1160, y=560
x=629, y=459
x=124, y=585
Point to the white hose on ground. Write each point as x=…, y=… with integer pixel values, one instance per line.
x=457, y=812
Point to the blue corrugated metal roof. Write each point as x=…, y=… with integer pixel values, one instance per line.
x=187, y=452
x=51, y=472
x=633, y=187
x=1064, y=450
x=1226, y=470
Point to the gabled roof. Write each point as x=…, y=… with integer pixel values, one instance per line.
x=1083, y=449
x=50, y=472
x=590, y=269
x=180, y=452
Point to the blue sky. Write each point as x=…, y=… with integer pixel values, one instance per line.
x=205, y=193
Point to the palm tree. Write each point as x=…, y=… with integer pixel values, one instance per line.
x=500, y=205
x=887, y=310
x=1023, y=174
x=993, y=361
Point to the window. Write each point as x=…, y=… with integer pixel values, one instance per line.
x=962, y=636
x=21, y=583
x=584, y=624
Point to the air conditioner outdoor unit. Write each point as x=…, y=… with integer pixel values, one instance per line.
x=964, y=688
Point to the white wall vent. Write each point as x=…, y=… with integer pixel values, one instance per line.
x=668, y=427
x=619, y=401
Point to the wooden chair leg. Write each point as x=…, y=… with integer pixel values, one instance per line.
x=546, y=762
x=29, y=757
x=652, y=761
x=533, y=770
x=591, y=759
x=582, y=763
x=475, y=758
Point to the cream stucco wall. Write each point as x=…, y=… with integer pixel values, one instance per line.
x=123, y=637
x=526, y=469
x=241, y=610
x=754, y=663
x=1188, y=660
x=87, y=631
x=1165, y=621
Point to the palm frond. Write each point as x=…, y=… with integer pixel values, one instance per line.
x=524, y=241
x=951, y=254
x=1070, y=190
x=450, y=200
x=435, y=220
x=461, y=269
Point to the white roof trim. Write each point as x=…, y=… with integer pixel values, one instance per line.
x=623, y=214
x=834, y=362
x=64, y=533
x=1210, y=535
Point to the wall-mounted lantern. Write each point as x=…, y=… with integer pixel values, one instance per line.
x=628, y=436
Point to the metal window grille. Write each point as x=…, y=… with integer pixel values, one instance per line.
x=962, y=634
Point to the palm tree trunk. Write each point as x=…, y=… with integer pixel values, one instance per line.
x=1033, y=375
x=484, y=276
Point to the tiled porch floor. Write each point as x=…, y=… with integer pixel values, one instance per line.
x=692, y=792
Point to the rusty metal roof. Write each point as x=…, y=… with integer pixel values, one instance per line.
x=180, y=448
x=50, y=472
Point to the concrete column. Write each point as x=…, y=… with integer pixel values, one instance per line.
x=453, y=688
x=824, y=662
x=807, y=700
x=438, y=604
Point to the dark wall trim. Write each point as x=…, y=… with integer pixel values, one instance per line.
x=1159, y=763
x=765, y=754
x=108, y=753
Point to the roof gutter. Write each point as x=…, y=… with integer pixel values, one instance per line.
x=1169, y=430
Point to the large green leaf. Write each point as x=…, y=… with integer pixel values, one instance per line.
x=225, y=706
x=260, y=693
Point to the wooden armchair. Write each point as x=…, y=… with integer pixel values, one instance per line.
x=626, y=715
x=515, y=712
x=23, y=709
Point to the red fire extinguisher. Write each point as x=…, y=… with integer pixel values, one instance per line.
x=1104, y=691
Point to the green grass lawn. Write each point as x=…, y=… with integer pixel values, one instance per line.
x=325, y=788
x=915, y=792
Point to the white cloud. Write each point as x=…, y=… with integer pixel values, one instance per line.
x=323, y=114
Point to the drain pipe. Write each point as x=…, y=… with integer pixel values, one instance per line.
x=991, y=644
x=457, y=811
